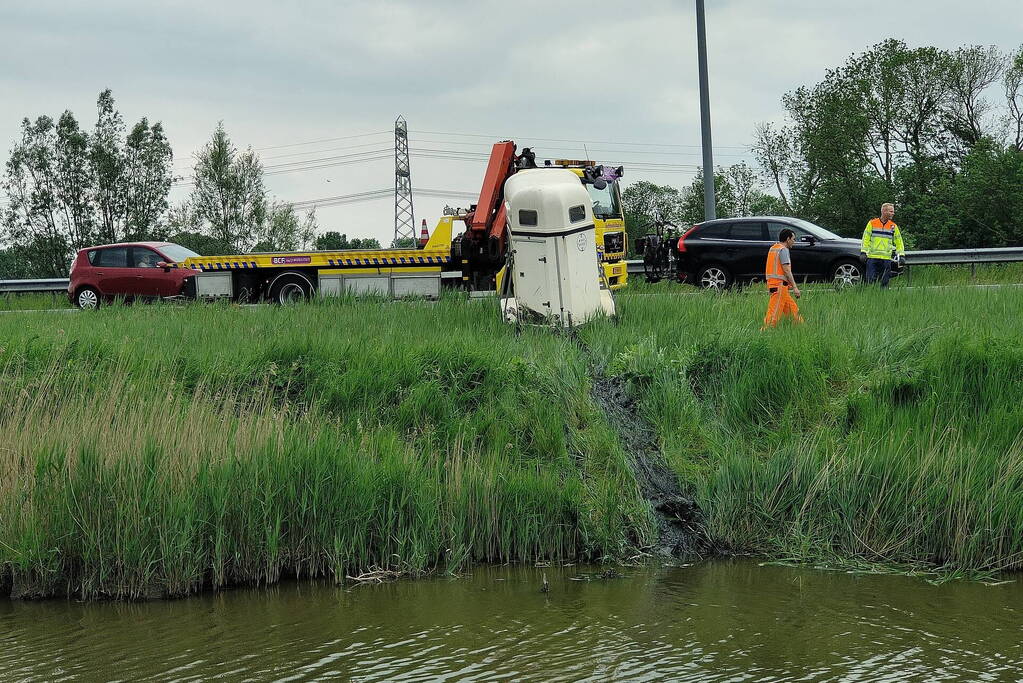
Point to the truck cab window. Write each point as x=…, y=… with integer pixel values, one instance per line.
x=605, y=202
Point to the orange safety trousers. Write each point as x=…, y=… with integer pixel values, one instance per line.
x=781, y=305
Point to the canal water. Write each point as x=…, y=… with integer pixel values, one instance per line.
x=717, y=621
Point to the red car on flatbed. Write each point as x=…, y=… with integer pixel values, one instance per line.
x=127, y=270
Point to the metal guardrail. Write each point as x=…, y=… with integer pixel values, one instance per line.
x=962, y=256
x=943, y=257
x=23, y=286
x=946, y=257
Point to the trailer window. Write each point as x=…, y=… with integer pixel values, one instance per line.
x=528, y=217
x=576, y=213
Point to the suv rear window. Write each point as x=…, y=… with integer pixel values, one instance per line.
x=114, y=257
x=751, y=230
x=714, y=231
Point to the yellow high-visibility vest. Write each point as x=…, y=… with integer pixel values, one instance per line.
x=880, y=239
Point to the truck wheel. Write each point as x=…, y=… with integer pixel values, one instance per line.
x=714, y=276
x=290, y=288
x=87, y=298
x=846, y=273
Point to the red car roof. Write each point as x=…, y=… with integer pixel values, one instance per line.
x=129, y=244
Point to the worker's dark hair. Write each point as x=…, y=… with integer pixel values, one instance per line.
x=785, y=234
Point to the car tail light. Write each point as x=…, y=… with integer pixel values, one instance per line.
x=682, y=239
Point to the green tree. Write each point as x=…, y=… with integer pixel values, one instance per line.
x=229, y=200
x=748, y=198
x=13, y=265
x=146, y=168
x=913, y=126
x=108, y=168
x=69, y=189
x=74, y=182
x=643, y=202
x=692, y=208
x=331, y=241
x=1013, y=85
x=282, y=230
x=336, y=241
x=971, y=70
x=40, y=219
x=988, y=193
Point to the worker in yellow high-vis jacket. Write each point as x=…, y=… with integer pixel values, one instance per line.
x=882, y=242
x=780, y=280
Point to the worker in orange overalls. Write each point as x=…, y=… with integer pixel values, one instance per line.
x=780, y=279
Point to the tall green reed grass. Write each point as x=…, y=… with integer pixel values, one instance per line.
x=163, y=449
x=887, y=428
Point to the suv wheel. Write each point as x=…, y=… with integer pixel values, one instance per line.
x=846, y=273
x=713, y=276
x=87, y=298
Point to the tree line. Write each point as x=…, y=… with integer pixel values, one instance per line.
x=937, y=132
x=69, y=186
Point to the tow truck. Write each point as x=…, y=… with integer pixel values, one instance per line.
x=467, y=248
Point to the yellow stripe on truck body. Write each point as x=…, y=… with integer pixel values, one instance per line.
x=434, y=256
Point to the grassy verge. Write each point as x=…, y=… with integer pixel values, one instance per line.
x=152, y=450
x=886, y=429
x=163, y=449
x=40, y=301
x=981, y=274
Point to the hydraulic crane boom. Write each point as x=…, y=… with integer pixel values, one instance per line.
x=484, y=242
x=487, y=222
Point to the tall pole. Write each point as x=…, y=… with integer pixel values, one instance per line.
x=709, y=212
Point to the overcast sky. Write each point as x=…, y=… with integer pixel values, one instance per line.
x=617, y=80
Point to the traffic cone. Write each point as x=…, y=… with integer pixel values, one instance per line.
x=424, y=235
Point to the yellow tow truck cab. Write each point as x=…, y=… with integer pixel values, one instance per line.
x=608, y=220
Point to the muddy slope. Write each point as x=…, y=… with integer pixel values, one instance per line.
x=680, y=529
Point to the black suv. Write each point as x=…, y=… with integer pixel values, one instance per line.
x=721, y=252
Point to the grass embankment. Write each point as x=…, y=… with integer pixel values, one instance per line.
x=889, y=428
x=166, y=449
x=163, y=449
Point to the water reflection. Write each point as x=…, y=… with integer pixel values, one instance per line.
x=728, y=620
